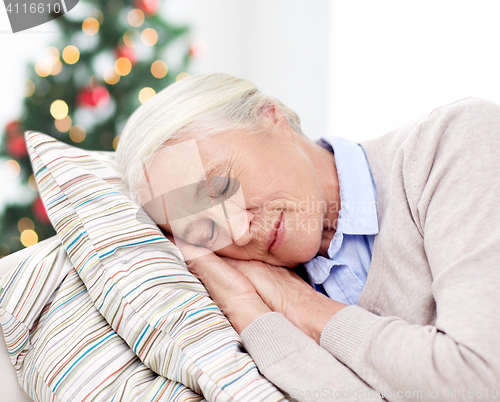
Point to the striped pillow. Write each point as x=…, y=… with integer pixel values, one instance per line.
x=137, y=279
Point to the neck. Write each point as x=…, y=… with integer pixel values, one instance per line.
x=324, y=163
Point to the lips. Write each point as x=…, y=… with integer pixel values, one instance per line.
x=276, y=236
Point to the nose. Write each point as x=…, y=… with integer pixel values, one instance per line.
x=242, y=228
x=237, y=221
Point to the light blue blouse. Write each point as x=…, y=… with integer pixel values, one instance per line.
x=343, y=275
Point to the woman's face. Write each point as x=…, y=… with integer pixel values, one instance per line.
x=268, y=184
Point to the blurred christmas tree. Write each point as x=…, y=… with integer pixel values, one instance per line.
x=111, y=57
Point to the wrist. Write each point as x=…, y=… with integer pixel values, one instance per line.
x=314, y=312
x=244, y=312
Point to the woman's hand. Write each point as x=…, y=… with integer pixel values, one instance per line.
x=284, y=291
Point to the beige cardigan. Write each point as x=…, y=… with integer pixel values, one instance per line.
x=427, y=325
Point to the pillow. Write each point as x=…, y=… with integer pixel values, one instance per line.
x=137, y=279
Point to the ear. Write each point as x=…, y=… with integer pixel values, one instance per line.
x=277, y=118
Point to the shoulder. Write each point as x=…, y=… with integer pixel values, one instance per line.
x=460, y=140
x=458, y=125
x=471, y=107
x=466, y=132
x=467, y=119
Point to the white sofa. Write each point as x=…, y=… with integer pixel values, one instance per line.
x=10, y=389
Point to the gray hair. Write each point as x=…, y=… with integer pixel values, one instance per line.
x=200, y=106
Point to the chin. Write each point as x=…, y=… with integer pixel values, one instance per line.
x=305, y=252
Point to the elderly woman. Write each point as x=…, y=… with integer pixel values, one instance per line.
x=399, y=238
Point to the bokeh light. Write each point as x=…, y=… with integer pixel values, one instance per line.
x=146, y=94
x=181, y=76
x=77, y=133
x=116, y=140
x=123, y=66
x=130, y=37
x=90, y=26
x=71, y=54
x=59, y=109
x=159, y=69
x=56, y=67
x=11, y=168
x=49, y=63
x=94, y=82
x=110, y=76
x=52, y=54
x=29, y=237
x=149, y=37
x=135, y=17
x=43, y=68
x=32, y=183
x=63, y=125
x=98, y=15
x=24, y=224
x=29, y=88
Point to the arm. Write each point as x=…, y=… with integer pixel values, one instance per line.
x=298, y=365
x=454, y=204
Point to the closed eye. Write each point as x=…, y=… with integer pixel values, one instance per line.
x=219, y=186
x=227, y=187
x=200, y=233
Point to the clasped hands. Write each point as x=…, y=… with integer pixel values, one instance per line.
x=246, y=290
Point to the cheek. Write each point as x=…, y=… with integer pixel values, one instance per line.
x=303, y=239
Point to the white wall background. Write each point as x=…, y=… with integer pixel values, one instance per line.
x=394, y=60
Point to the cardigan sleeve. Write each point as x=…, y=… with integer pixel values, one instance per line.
x=453, y=190
x=298, y=365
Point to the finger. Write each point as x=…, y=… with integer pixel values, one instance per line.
x=234, y=262
x=219, y=277
x=253, y=270
x=275, y=285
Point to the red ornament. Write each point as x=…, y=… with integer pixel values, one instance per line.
x=91, y=97
x=39, y=211
x=148, y=7
x=13, y=128
x=128, y=52
x=16, y=146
